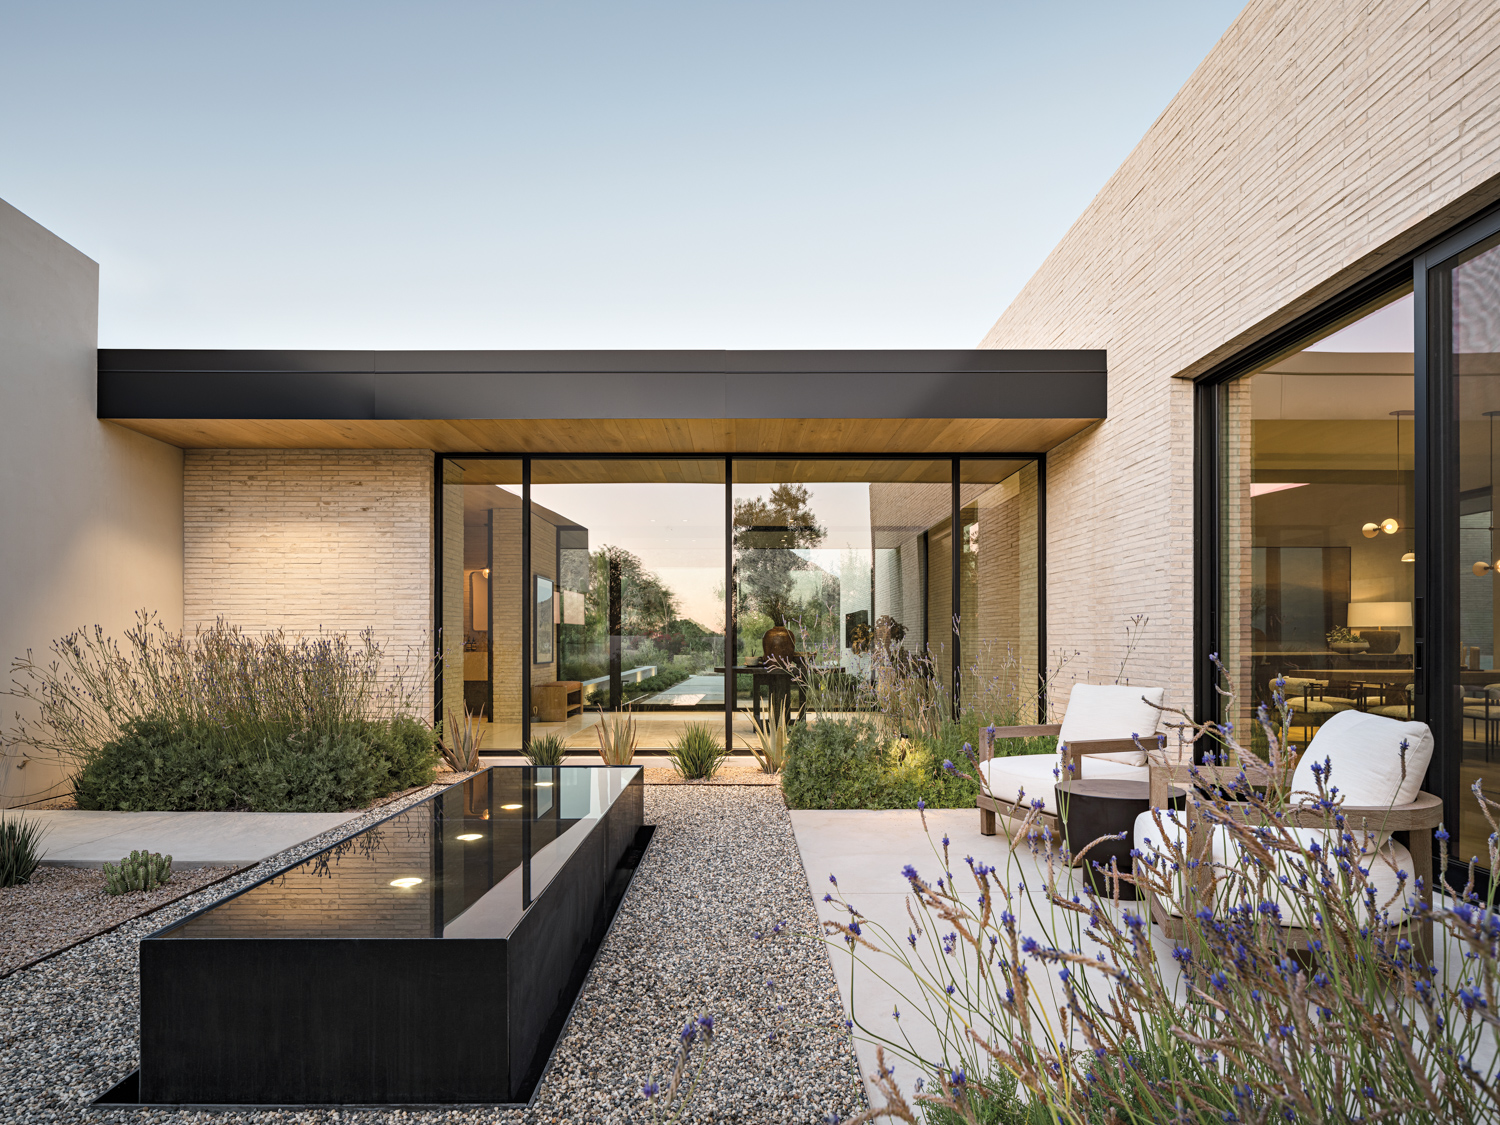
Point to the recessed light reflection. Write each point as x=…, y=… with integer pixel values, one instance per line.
x=469, y=836
x=510, y=806
x=405, y=881
x=544, y=785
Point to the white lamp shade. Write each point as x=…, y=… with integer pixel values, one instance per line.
x=1379, y=615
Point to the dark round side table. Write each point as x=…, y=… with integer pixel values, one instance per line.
x=1107, y=807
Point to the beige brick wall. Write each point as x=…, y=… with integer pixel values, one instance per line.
x=1316, y=143
x=304, y=539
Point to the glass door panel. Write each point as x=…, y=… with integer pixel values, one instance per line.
x=1475, y=358
x=999, y=673
x=628, y=559
x=481, y=596
x=843, y=587
x=1317, y=528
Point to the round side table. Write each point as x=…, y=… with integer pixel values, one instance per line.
x=1107, y=807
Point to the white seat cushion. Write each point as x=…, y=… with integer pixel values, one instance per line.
x=1384, y=859
x=1108, y=711
x=1365, y=753
x=1036, y=776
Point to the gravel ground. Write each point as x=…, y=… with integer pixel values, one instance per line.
x=62, y=905
x=723, y=865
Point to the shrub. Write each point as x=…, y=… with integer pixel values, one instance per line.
x=461, y=748
x=160, y=764
x=698, y=754
x=850, y=764
x=20, y=849
x=546, y=750
x=671, y=677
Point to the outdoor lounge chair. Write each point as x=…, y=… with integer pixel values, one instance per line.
x=1098, y=736
x=1380, y=794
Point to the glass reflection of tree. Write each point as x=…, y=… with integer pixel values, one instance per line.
x=769, y=531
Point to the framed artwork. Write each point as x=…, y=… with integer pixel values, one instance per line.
x=542, y=631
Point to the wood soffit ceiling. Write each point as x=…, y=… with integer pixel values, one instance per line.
x=646, y=436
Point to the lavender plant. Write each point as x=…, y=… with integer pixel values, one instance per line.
x=261, y=686
x=669, y=1099
x=1052, y=1003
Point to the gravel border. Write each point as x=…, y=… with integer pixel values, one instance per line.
x=723, y=865
x=63, y=906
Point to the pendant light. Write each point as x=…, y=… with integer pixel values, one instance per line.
x=1391, y=524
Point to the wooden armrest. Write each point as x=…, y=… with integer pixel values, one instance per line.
x=987, y=746
x=1112, y=745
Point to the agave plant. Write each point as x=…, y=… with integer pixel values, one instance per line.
x=772, y=735
x=20, y=849
x=461, y=747
x=617, y=736
x=546, y=750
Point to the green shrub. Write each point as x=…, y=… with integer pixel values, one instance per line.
x=162, y=764
x=671, y=677
x=848, y=764
x=698, y=754
x=20, y=849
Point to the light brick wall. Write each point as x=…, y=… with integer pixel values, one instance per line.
x=1316, y=143
x=304, y=539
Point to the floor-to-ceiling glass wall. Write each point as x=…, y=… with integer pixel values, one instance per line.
x=1474, y=333
x=835, y=579
x=481, y=588
x=1316, y=528
x=630, y=553
x=1000, y=674
x=842, y=581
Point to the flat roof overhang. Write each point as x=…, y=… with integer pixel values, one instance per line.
x=648, y=402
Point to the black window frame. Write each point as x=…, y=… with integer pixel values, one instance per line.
x=955, y=460
x=1434, y=593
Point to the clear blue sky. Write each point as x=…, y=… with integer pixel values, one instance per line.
x=817, y=174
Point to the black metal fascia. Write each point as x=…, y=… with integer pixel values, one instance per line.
x=979, y=383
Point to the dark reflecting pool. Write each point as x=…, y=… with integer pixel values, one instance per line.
x=428, y=959
x=464, y=864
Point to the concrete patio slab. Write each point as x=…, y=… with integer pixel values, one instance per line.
x=866, y=851
x=76, y=838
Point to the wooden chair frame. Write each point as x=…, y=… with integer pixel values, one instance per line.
x=1418, y=819
x=992, y=805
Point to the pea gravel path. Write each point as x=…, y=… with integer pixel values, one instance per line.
x=723, y=865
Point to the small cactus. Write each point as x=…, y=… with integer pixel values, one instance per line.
x=139, y=871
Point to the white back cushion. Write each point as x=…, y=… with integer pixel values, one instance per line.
x=1365, y=751
x=1098, y=711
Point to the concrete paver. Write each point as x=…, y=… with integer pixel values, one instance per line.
x=78, y=838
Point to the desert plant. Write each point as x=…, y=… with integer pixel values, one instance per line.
x=546, y=750
x=772, y=736
x=617, y=738
x=139, y=871
x=461, y=748
x=698, y=754
x=20, y=849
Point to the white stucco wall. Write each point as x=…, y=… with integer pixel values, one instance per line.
x=90, y=514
